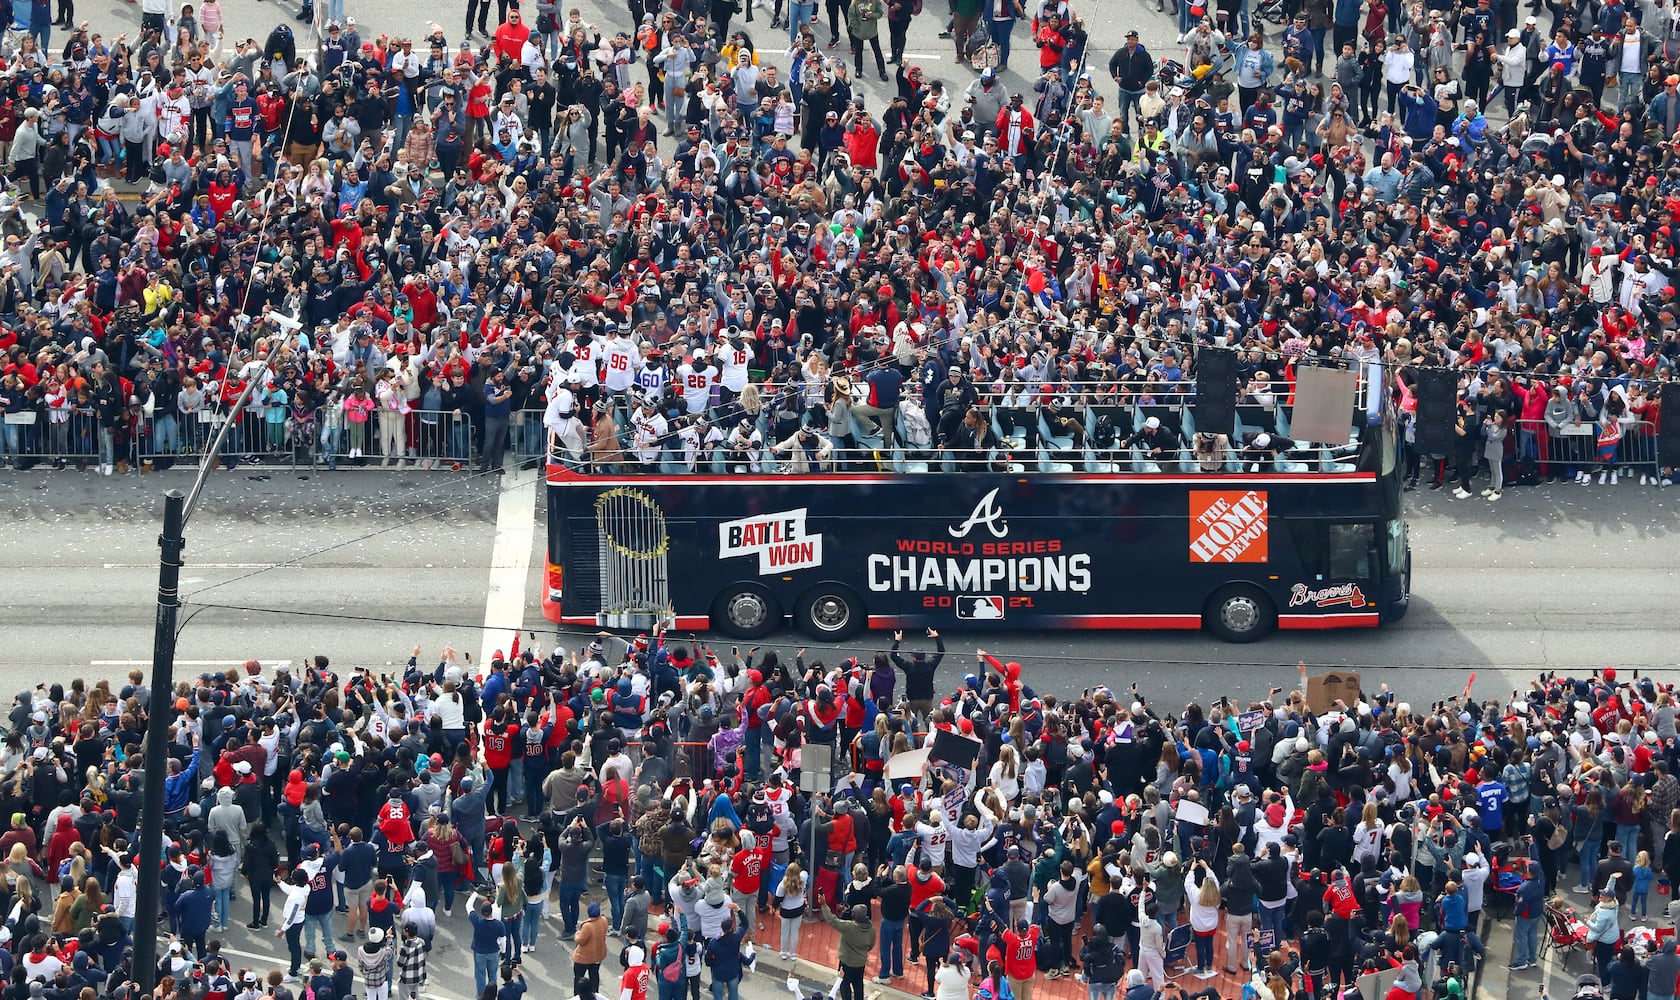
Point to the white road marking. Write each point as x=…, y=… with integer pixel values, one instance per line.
x=267, y=565
x=510, y=560
x=923, y=55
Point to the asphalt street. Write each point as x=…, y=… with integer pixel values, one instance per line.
x=1550, y=578
x=363, y=566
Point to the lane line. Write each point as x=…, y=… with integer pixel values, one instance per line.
x=510, y=560
x=267, y=565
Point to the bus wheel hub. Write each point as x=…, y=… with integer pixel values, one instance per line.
x=748, y=610
x=830, y=612
x=1240, y=614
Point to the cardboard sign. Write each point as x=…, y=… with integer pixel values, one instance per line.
x=954, y=749
x=1194, y=813
x=1324, y=689
x=1248, y=722
x=908, y=764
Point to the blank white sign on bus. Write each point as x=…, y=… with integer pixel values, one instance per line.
x=1323, y=405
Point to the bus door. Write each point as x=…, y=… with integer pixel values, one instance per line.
x=1339, y=574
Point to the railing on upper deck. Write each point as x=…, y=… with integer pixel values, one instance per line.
x=1039, y=427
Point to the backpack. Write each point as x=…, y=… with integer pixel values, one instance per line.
x=1559, y=835
x=672, y=972
x=1102, y=435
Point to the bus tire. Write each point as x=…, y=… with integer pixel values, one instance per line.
x=747, y=611
x=1239, y=613
x=830, y=611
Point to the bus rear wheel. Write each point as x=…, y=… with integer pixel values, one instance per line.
x=830, y=611
x=1239, y=613
x=746, y=611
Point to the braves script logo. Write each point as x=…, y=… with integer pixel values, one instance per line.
x=1228, y=526
x=1329, y=597
x=986, y=513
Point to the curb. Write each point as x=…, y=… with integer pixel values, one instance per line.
x=819, y=978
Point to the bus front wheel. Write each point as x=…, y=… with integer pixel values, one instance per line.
x=1240, y=613
x=747, y=611
x=830, y=611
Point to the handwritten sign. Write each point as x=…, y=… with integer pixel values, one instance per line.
x=1324, y=689
x=1248, y=722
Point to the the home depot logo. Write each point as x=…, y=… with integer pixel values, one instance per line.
x=1227, y=526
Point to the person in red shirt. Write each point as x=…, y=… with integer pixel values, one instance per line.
x=511, y=36
x=634, y=983
x=394, y=820
x=1020, y=958
x=924, y=885
x=842, y=842
x=747, y=870
x=757, y=696
x=1340, y=898
x=499, y=733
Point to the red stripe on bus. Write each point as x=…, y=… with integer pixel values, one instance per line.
x=1162, y=621
x=563, y=479
x=1312, y=622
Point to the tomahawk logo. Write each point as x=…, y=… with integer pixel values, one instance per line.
x=987, y=513
x=1228, y=526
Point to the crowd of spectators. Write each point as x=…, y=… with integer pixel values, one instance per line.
x=433, y=250
x=663, y=796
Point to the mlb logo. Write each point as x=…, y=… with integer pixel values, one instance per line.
x=980, y=607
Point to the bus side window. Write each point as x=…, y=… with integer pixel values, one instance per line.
x=1311, y=547
x=1352, y=548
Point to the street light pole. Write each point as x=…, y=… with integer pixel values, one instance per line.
x=177, y=509
x=147, y=894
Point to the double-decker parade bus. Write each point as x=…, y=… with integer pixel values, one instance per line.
x=1312, y=538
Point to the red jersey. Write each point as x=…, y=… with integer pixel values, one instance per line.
x=1339, y=898
x=498, y=745
x=394, y=822
x=748, y=867
x=634, y=983
x=1020, y=954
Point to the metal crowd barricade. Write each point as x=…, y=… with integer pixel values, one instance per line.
x=259, y=436
x=1584, y=445
x=33, y=438
x=419, y=439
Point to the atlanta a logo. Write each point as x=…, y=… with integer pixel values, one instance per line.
x=986, y=513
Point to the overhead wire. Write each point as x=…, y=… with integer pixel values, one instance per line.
x=383, y=529
x=408, y=496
